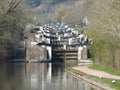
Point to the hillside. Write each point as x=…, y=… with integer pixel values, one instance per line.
x=61, y=11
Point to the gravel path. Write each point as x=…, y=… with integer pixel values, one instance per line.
x=98, y=73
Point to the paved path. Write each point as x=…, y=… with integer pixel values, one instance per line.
x=98, y=73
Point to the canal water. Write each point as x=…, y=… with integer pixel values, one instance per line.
x=38, y=76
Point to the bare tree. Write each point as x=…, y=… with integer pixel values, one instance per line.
x=12, y=19
x=104, y=29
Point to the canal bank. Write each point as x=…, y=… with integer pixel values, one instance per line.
x=88, y=79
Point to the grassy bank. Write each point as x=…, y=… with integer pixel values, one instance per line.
x=116, y=85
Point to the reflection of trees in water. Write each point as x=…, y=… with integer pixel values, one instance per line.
x=11, y=76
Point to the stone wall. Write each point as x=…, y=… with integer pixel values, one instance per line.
x=84, y=53
x=36, y=54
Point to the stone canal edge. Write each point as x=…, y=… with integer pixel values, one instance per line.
x=90, y=81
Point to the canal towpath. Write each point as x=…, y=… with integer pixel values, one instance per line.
x=97, y=73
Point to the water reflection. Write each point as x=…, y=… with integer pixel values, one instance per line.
x=11, y=76
x=36, y=76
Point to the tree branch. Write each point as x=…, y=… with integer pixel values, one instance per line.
x=12, y=8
